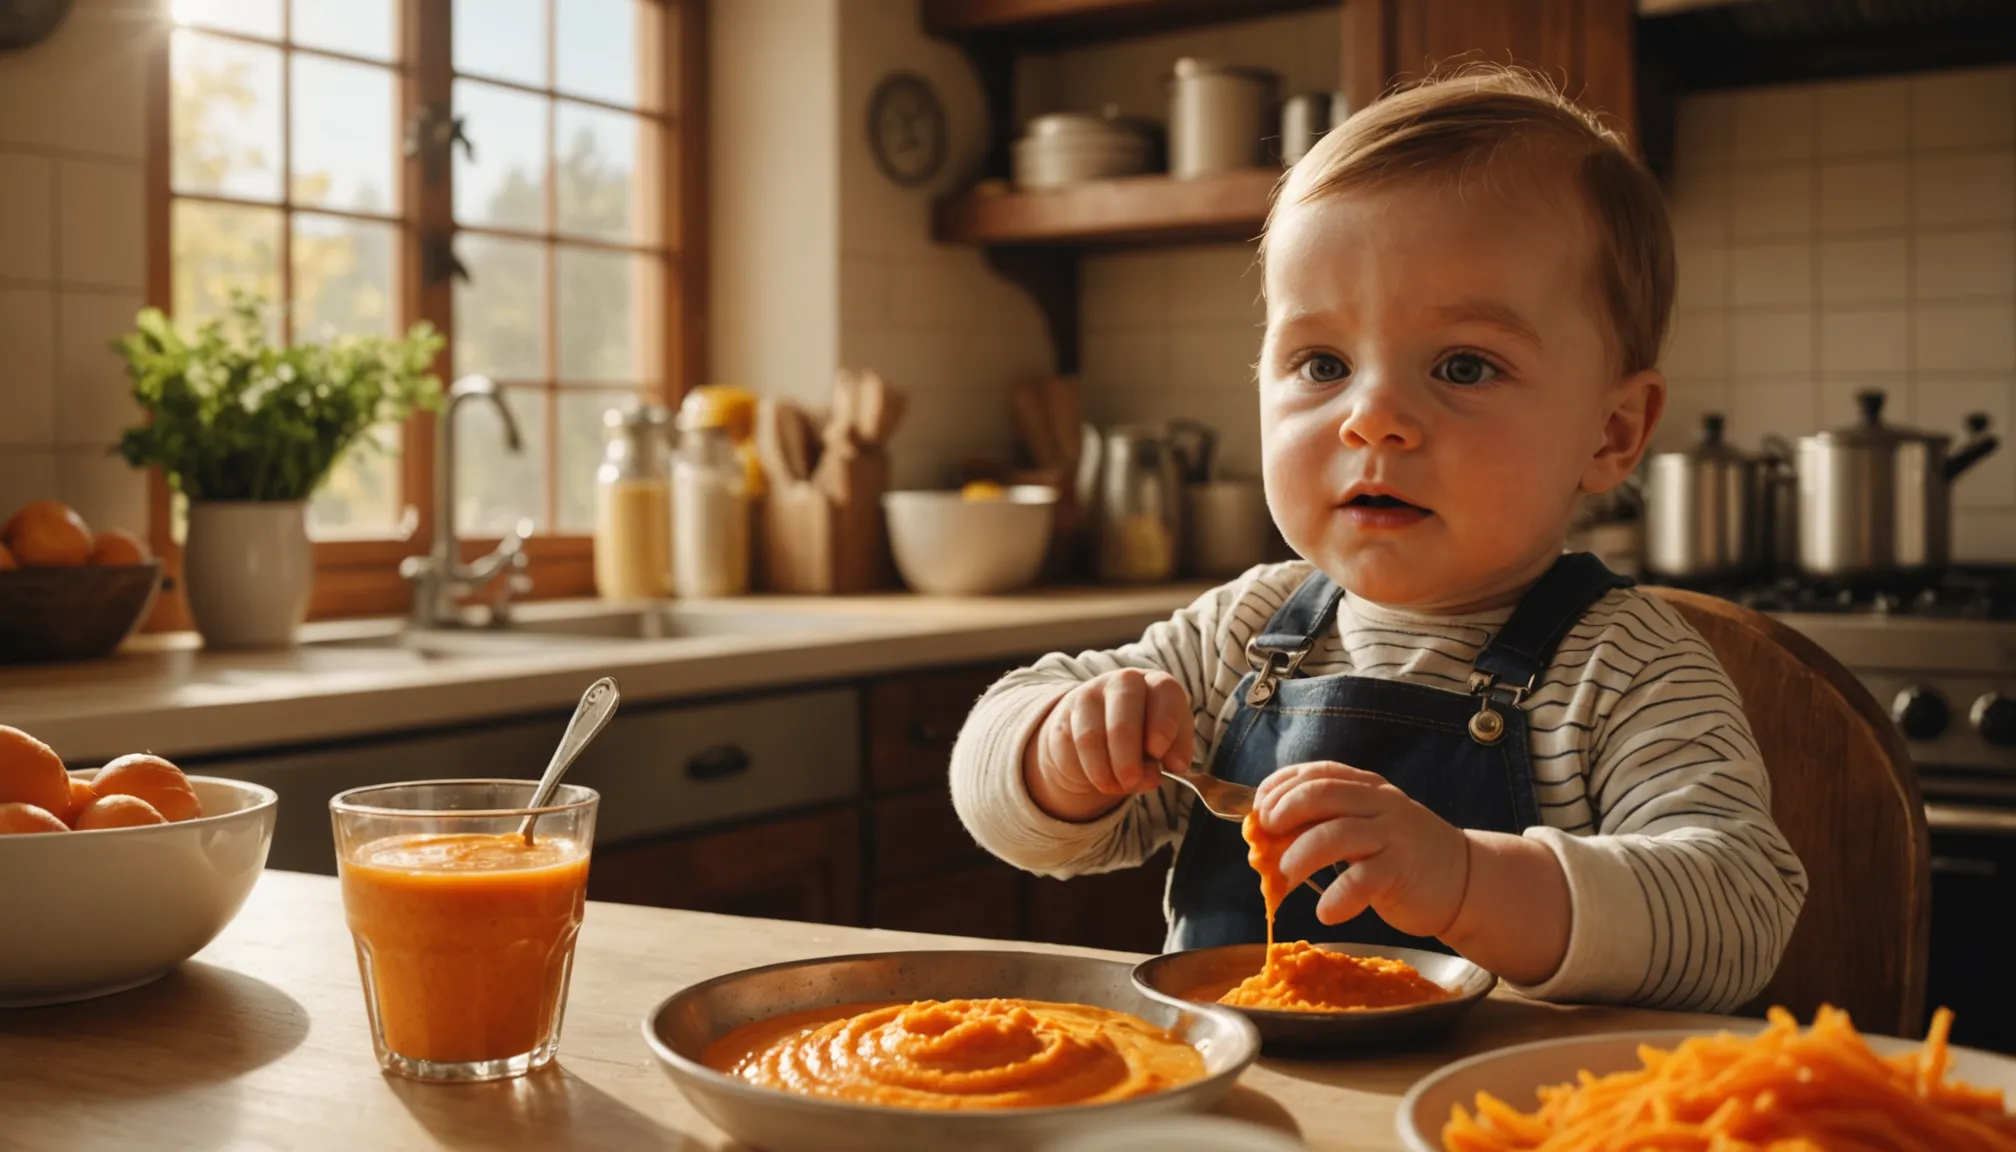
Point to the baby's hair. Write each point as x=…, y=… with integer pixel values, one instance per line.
x=1463, y=125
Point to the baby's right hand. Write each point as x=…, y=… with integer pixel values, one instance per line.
x=1105, y=740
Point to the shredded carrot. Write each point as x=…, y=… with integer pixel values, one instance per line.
x=1783, y=1090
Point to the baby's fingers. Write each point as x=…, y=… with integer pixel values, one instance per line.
x=1345, y=840
x=1313, y=799
x=1358, y=888
x=1295, y=774
x=1126, y=727
x=1170, y=740
x=1088, y=737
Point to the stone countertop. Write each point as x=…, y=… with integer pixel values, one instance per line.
x=353, y=678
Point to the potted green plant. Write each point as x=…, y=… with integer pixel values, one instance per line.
x=247, y=431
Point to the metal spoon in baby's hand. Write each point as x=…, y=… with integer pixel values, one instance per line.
x=597, y=705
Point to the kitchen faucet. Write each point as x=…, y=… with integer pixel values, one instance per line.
x=440, y=579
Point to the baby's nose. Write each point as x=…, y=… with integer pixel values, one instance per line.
x=1379, y=414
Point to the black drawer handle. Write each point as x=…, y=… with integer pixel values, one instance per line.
x=718, y=763
x=1962, y=866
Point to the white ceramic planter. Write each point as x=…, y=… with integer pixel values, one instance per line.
x=247, y=570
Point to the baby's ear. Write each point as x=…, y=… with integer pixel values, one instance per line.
x=1635, y=405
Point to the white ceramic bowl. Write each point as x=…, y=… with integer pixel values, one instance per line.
x=85, y=914
x=1515, y=1074
x=946, y=545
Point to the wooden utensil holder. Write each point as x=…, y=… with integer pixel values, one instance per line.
x=814, y=544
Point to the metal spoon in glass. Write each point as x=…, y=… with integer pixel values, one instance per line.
x=1223, y=799
x=597, y=705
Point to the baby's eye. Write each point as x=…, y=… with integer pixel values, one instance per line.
x=1324, y=368
x=1466, y=368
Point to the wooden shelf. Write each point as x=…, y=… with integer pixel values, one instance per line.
x=1052, y=23
x=1130, y=210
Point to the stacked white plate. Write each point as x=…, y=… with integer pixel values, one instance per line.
x=1066, y=148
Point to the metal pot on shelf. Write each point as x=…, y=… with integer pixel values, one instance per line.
x=1874, y=499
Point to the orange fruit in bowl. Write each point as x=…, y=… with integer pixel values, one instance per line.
x=148, y=777
x=31, y=772
x=7, y=563
x=118, y=812
x=47, y=534
x=113, y=547
x=28, y=818
x=81, y=795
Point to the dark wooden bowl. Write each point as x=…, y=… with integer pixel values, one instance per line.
x=72, y=613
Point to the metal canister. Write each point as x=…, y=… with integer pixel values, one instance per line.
x=1219, y=117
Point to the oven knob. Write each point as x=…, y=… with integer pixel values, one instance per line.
x=1921, y=712
x=1994, y=716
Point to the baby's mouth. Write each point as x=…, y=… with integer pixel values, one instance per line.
x=1368, y=500
x=1372, y=511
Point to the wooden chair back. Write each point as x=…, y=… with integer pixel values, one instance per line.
x=1844, y=792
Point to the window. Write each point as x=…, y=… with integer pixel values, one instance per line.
x=310, y=159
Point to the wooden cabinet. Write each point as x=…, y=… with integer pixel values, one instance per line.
x=913, y=720
x=795, y=868
x=984, y=901
x=1118, y=910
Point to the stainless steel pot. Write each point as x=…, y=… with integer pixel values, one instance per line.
x=1874, y=503
x=1140, y=506
x=1704, y=509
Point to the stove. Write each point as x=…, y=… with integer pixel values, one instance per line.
x=1940, y=657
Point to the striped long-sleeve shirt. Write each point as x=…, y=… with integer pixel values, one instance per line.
x=1651, y=790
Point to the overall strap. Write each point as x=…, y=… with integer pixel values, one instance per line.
x=1519, y=653
x=1290, y=633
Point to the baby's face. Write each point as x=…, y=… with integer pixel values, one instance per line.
x=1436, y=390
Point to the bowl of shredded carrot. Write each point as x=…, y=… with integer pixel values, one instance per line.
x=1779, y=1088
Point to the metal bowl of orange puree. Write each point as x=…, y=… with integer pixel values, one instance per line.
x=1203, y=974
x=681, y=1029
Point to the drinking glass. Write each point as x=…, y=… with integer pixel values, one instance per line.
x=464, y=933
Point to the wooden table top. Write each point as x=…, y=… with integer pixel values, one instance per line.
x=260, y=1042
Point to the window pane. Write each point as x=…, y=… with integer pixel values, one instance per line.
x=598, y=188
x=581, y=441
x=224, y=117
x=597, y=49
x=500, y=317
x=607, y=301
x=502, y=38
x=505, y=185
x=361, y=496
x=358, y=27
x=218, y=248
x=345, y=150
x=253, y=17
x=493, y=485
x=344, y=278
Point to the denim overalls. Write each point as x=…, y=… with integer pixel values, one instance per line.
x=1461, y=755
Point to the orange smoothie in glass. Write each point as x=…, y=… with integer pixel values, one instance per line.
x=465, y=939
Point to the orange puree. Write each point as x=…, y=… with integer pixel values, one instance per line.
x=959, y=1054
x=464, y=941
x=1301, y=977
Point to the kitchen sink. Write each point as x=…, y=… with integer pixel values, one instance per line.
x=684, y=621
x=436, y=645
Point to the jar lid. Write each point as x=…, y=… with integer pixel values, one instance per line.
x=1712, y=445
x=635, y=415
x=1871, y=431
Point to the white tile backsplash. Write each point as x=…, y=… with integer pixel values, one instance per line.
x=103, y=489
x=1131, y=288
x=1772, y=202
x=1771, y=274
x=1912, y=269
x=1965, y=338
x=104, y=220
x=1860, y=271
x=1858, y=117
x=1214, y=356
x=1771, y=343
x=26, y=474
x=1962, y=109
x=1963, y=188
x=1860, y=195
x=1873, y=340
x=93, y=400
x=27, y=217
x=1215, y=283
x=1958, y=265
x=28, y=383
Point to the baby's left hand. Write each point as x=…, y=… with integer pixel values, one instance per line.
x=1406, y=863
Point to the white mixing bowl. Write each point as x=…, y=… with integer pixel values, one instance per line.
x=947, y=545
x=85, y=914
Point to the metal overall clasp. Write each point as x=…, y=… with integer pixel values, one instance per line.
x=1488, y=725
x=1272, y=665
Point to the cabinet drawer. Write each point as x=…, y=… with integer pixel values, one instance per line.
x=913, y=721
x=919, y=835
x=984, y=902
x=659, y=770
x=1117, y=910
x=797, y=868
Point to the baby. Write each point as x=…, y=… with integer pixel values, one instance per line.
x=1478, y=744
